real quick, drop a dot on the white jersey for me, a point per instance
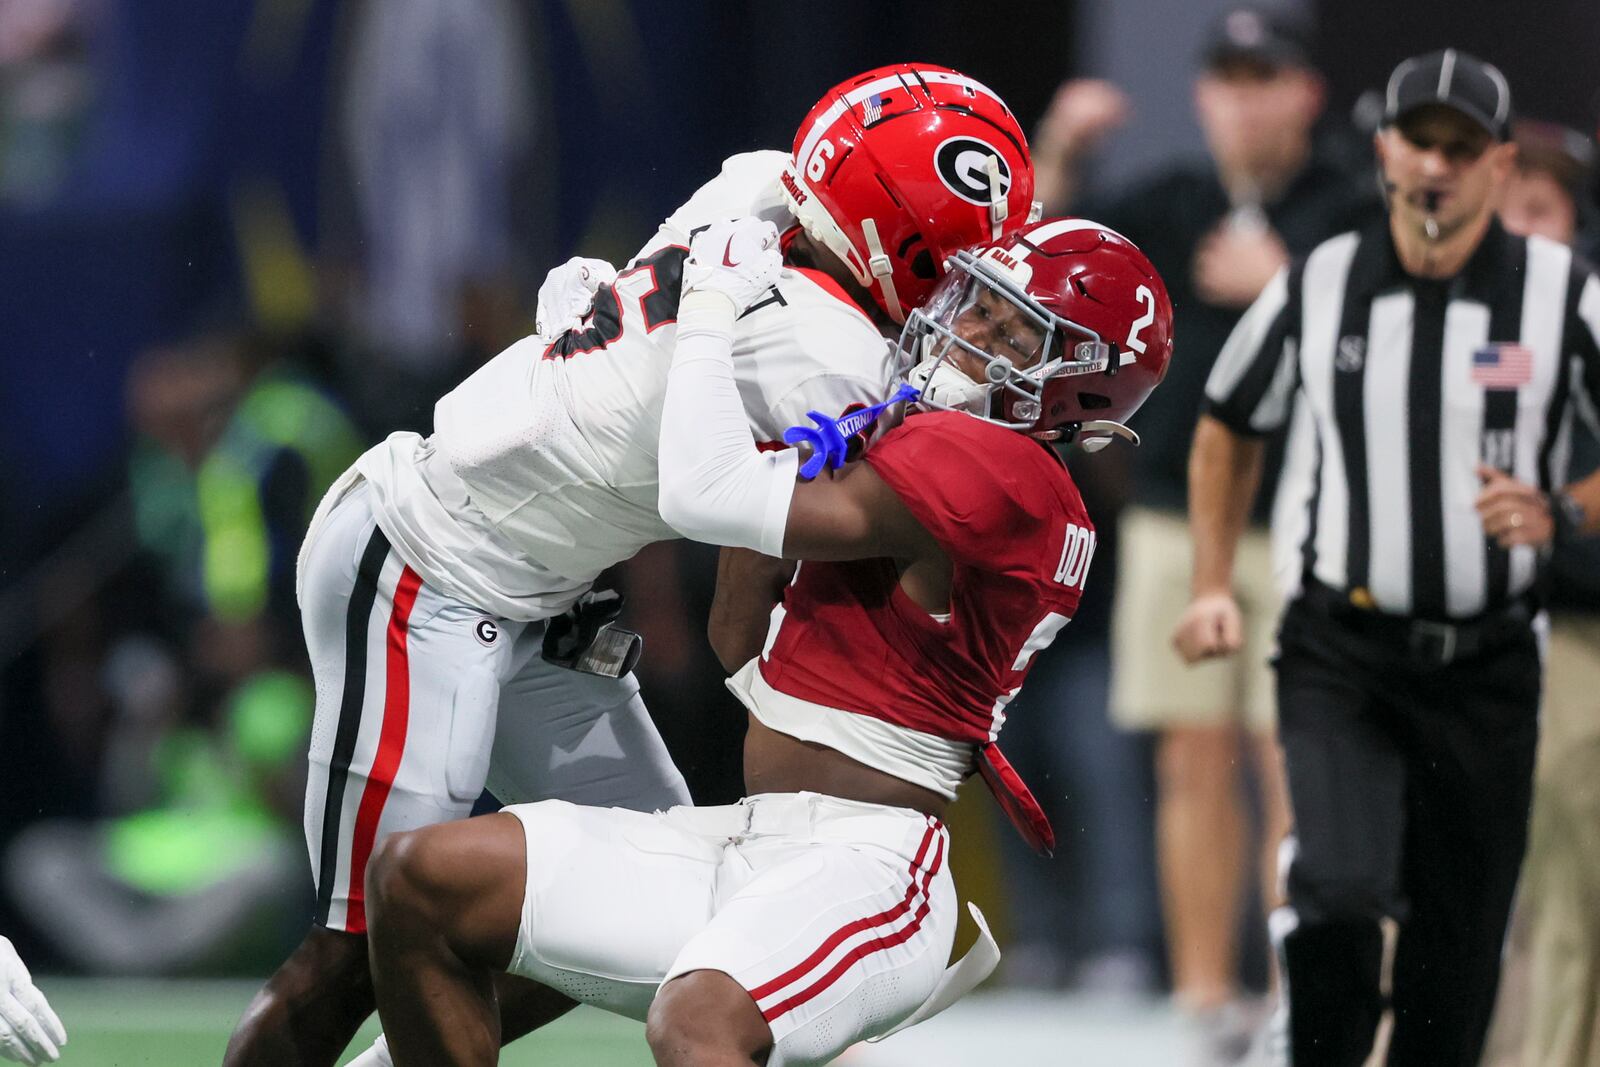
(541, 471)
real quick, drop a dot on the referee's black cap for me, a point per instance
(1274, 35)
(1451, 78)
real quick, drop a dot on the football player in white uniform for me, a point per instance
(443, 580)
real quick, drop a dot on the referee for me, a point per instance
(1429, 370)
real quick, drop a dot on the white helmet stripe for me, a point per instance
(952, 78)
(855, 96)
(1055, 229)
(826, 120)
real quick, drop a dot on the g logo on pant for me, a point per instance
(486, 632)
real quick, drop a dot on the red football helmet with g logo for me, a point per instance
(1085, 325)
(897, 168)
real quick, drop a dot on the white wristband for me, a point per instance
(707, 310)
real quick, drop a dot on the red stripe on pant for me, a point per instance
(871, 945)
(391, 745)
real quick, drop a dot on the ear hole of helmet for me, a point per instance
(838, 167)
(921, 263)
(1093, 401)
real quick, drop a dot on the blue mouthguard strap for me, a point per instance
(829, 440)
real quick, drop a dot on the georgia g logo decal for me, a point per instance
(486, 632)
(963, 166)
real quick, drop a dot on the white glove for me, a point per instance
(737, 258)
(29, 1031)
(567, 294)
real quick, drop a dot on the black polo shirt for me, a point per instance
(1167, 217)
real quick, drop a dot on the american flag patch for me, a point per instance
(872, 108)
(1502, 365)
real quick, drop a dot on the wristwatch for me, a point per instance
(1567, 515)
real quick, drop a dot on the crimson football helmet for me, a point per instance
(897, 168)
(1066, 321)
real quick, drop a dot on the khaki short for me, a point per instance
(1560, 894)
(1570, 713)
(1151, 687)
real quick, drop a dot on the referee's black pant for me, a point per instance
(1410, 779)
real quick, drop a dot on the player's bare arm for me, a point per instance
(748, 585)
(1224, 471)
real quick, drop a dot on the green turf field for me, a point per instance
(186, 1024)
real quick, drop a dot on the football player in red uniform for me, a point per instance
(818, 911)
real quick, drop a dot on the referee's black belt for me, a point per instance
(1430, 641)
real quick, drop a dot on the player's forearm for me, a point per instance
(1224, 471)
(748, 585)
(715, 486)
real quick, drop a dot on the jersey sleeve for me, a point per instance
(832, 393)
(966, 489)
(1253, 379)
(746, 186)
(812, 353)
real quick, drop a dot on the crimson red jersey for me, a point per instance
(1010, 517)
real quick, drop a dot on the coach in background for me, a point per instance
(1217, 229)
(1431, 366)
(1558, 1011)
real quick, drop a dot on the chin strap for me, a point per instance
(998, 208)
(878, 263)
(1095, 434)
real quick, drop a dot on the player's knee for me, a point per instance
(705, 1015)
(397, 880)
(458, 883)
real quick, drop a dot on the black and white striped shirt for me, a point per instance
(1395, 388)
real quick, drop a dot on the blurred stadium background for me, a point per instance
(240, 240)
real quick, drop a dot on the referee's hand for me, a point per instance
(1211, 626)
(1513, 512)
